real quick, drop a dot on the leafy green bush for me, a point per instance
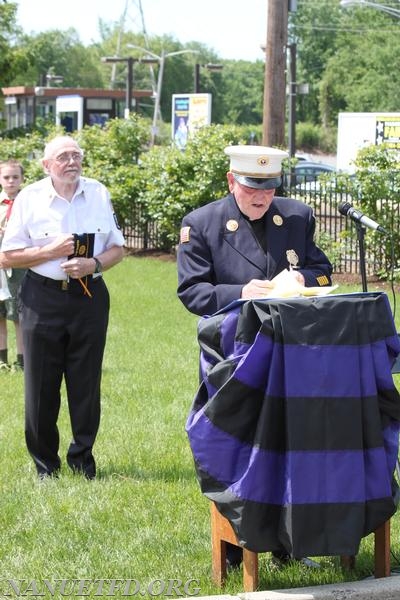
(377, 188)
(160, 183)
(328, 140)
(111, 155)
(172, 182)
(332, 248)
(307, 136)
(311, 137)
(28, 149)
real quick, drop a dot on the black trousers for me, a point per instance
(64, 334)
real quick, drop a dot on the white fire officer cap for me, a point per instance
(257, 167)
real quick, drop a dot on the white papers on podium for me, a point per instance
(287, 286)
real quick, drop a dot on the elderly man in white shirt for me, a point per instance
(64, 231)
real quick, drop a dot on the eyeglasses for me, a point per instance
(66, 157)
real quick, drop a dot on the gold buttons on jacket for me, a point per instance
(232, 225)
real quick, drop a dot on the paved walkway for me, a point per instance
(387, 588)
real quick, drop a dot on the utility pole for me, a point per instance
(275, 74)
(196, 78)
(292, 99)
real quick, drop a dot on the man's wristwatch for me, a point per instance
(98, 271)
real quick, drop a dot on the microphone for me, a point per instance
(348, 210)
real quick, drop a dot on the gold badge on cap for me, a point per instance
(292, 258)
(232, 225)
(263, 161)
(277, 219)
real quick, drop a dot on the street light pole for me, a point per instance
(157, 101)
(161, 60)
(129, 60)
(129, 78)
(52, 78)
(129, 88)
(196, 78)
(210, 67)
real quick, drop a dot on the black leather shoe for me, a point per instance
(282, 559)
(87, 472)
(308, 562)
(48, 475)
(234, 556)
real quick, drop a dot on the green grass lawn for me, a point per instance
(144, 517)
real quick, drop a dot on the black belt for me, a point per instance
(72, 285)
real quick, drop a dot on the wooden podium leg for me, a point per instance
(348, 562)
(221, 534)
(382, 550)
(250, 570)
(219, 564)
(218, 551)
(381, 553)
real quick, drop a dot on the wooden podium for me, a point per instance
(295, 428)
(222, 532)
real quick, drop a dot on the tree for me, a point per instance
(314, 28)
(242, 85)
(348, 57)
(62, 52)
(8, 30)
(181, 181)
(363, 74)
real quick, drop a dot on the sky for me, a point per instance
(231, 32)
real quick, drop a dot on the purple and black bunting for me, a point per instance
(294, 430)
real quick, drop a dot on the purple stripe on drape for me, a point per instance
(288, 478)
(254, 367)
(288, 370)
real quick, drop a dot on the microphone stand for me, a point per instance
(360, 236)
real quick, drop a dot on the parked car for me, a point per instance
(306, 171)
(328, 187)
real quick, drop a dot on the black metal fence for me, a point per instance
(141, 233)
(336, 234)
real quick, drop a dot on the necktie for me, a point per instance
(9, 209)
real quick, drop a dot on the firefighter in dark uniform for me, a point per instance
(232, 248)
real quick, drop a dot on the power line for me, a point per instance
(391, 4)
(345, 29)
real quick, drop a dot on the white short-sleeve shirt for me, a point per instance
(40, 215)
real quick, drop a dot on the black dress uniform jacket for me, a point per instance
(219, 252)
